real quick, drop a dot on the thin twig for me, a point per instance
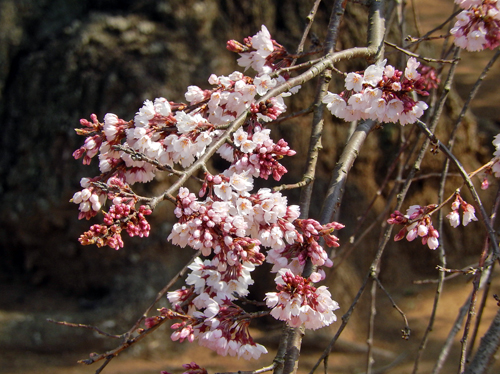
(493, 216)
(406, 330)
(81, 325)
(439, 27)
(423, 58)
(443, 355)
(258, 371)
(293, 336)
(128, 340)
(468, 182)
(345, 320)
(309, 23)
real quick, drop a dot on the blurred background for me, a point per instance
(61, 60)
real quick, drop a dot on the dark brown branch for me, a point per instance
(427, 59)
(406, 330)
(482, 213)
(487, 349)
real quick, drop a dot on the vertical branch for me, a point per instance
(490, 275)
(471, 312)
(451, 337)
(310, 21)
(317, 123)
(489, 345)
(335, 190)
(292, 337)
(345, 320)
(371, 325)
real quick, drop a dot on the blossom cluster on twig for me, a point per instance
(417, 221)
(478, 25)
(382, 93)
(235, 228)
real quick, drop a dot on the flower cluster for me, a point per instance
(495, 168)
(382, 93)
(225, 330)
(417, 223)
(120, 217)
(192, 368)
(468, 210)
(478, 25)
(165, 133)
(232, 225)
(298, 302)
(256, 153)
(259, 52)
(293, 256)
(227, 222)
(89, 200)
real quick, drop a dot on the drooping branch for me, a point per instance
(482, 213)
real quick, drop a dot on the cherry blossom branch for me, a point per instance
(468, 182)
(457, 325)
(138, 156)
(293, 337)
(235, 125)
(442, 278)
(476, 286)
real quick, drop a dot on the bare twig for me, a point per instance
(80, 325)
(443, 355)
(406, 330)
(345, 320)
(293, 336)
(309, 23)
(487, 285)
(423, 58)
(258, 371)
(439, 27)
(128, 338)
